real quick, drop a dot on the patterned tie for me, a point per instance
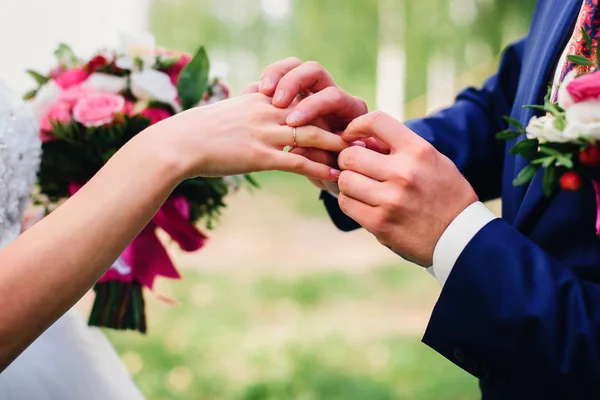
(588, 19)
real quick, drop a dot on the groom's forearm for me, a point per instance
(510, 312)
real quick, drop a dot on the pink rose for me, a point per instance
(58, 112)
(584, 88)
(73, 94)
(71, 77)
(175, 70)
(155, 114)
(98, 109)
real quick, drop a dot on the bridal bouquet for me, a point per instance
(565, 142)
(87, 110)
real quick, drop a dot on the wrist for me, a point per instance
(165, 153)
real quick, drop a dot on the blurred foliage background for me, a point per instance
(280, 305)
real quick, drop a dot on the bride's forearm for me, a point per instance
(50, 267)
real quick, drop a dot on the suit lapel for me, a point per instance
(554, 25)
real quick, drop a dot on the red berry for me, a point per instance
(570, 181)
(590, 156)
(96, 63)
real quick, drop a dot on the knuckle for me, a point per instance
(293, 60)
(409, 176)
(310, 135)
(376, 116)
(396, 201)
(314, 65)
(378, 222)
(344, 181)
(297, 163)
(393, 200)
(362, 105)
(343, 202)
(423, 151)
(347, 158)
(336, 95)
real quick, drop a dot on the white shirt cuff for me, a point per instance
(456, 237)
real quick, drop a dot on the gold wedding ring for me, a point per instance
(294, 144)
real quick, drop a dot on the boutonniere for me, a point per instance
(565, 141)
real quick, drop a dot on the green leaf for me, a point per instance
(166, 62)
(30, 95)
(565, 162)
(64, 52)
(549, 180)
(549, 151)
(586, 39)
(560, 123)
(526, 174)
(536, 107)
(193, 81)
(139, 63)
(526, 148)
(39, 78)
(514, 123)
(544, 161)
(581, 60)
(508, 135)
(252, 181)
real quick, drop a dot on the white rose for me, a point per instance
(583, 120)
(44, 99)
(544, 130)
(151, 84)
(106, 83)
(143, 48)
(564, 98)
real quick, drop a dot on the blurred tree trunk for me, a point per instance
(391, 60)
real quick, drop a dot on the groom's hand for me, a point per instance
(286, 79)
(322, 102)
(406, 198)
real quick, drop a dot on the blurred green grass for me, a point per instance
(280, 337)
(295, 190)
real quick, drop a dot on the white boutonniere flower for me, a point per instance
(545, 130)
(583, 120)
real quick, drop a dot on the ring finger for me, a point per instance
(310, 136)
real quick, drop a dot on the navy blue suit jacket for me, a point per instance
(521, 308)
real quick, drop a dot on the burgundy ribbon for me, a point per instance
(146, 258)
(597, 189)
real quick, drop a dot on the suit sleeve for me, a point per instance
(465, 132)
(514, 316)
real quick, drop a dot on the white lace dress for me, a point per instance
(70, 361)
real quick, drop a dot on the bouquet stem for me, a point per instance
(119, 305)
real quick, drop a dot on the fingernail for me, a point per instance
(359, 143)
(266, 84)
(335, 172)
(294, 117)
(279, 96)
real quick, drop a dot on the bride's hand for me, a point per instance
(241, 135)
